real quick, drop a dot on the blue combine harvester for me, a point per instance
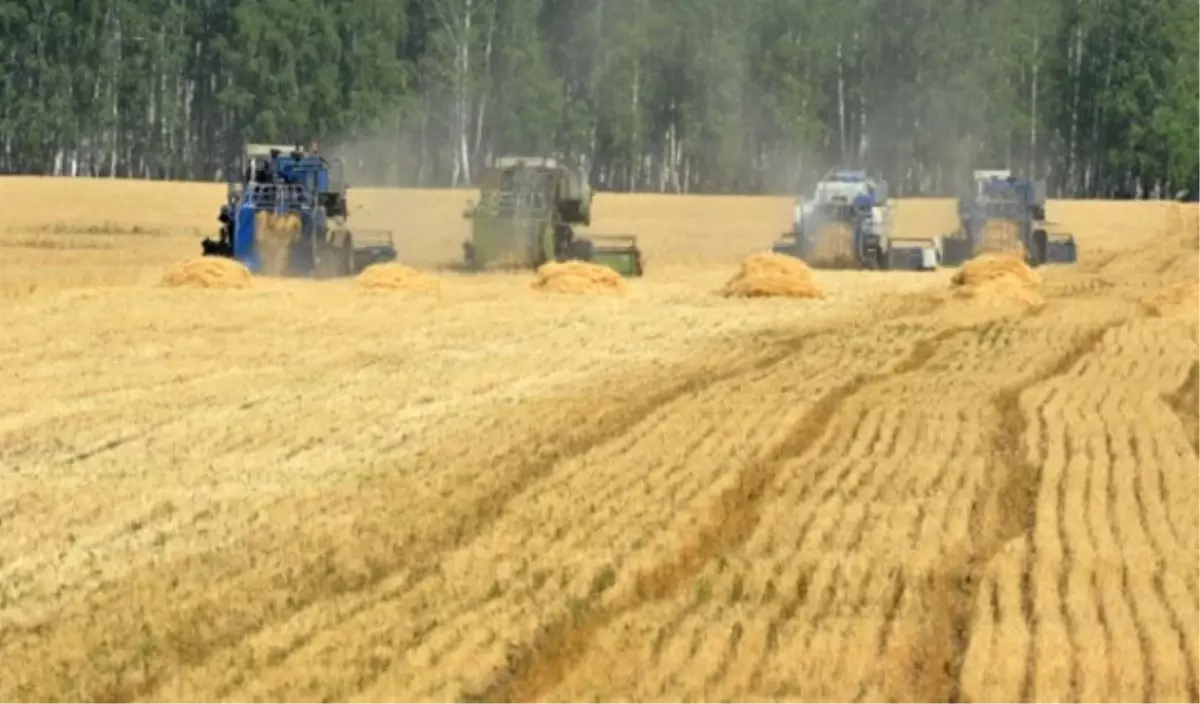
(306, 191)
(1006, 214)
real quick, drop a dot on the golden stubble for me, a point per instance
(306, 490)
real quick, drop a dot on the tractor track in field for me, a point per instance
(520, 474)
(520, 469)
(949, 591)
(1183, 402)
(537, 667)
(779, 350)
(341, 570)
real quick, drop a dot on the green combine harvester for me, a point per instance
(524, 218)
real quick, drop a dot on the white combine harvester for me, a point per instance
(848, 223)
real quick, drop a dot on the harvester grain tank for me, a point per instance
(1006, 214)
(848, 223)
(287, 216)
(524, 218)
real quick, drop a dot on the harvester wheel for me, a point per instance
(563, 236)
(334, 257)
(347, 253)
(1041, 242)
(216, 248)
(582, 249)
(328, 262)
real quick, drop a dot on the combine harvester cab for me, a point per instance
(848, 224)
(524, 218)
(1006, 214)
(287, 217)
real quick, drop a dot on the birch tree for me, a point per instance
(1097, 96)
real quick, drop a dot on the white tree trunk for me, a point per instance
(487, 64)
(634, 148)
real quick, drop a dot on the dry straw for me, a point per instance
(396, 277)
(998, 278)
(768, 274)
(834, 246)
(274, 237)
(578, 278)
(1003, 236)
(208, 272)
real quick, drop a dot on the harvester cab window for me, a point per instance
(261, 172)
(266, 171)
(272, 166)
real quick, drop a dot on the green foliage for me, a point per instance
(1100, 97)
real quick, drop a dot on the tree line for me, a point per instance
(1097, 97)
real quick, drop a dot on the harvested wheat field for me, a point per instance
(397, 277)
(304, 490)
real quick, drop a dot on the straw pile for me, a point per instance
(578, 278)
(769, 274)
(208, 272)
(396, 277)
(993, 267)
(996, 278)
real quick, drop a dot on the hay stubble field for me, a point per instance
(310, 491)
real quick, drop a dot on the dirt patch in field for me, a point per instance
(396, 277)
(208, 272)
(579, 278)
(768, 274)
